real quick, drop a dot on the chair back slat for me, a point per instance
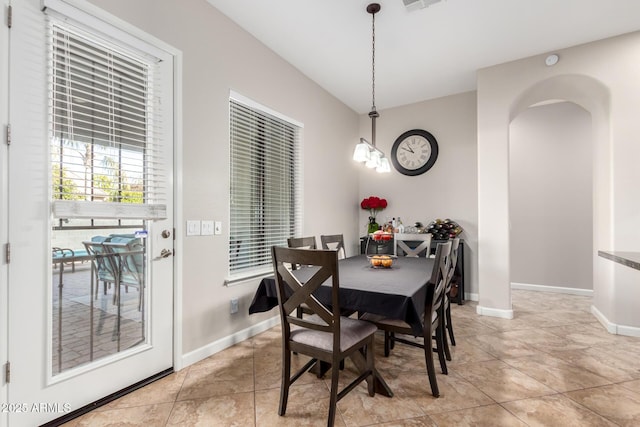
(401, 239)
(438, 281)
(455, 243)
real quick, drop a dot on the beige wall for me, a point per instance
(550, 196)
(601, 77)
(449, 188)
(219, 56)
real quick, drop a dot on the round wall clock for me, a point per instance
(414, 152)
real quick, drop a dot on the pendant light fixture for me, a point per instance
(366, 151)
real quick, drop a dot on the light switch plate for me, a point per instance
(207, 228)
(193, 228)
(218, 227)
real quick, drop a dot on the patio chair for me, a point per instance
(102, 265)
(432, 322)
(326, 335)
(129, 264)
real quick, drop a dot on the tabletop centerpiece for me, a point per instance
(374, 205)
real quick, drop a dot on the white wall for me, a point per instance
(602, 78)
(550, 196)
(219, 56)
(449, 188)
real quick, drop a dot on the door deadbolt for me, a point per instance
(166, 234)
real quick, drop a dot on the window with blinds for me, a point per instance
(105, 144)
(266, 196)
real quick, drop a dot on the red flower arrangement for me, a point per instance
(373, 204)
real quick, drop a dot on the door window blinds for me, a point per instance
(266, 196)
(105, 128)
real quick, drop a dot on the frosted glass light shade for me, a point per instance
(374, 161)
(384, 167)
(361, 152)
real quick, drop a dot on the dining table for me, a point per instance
(397, 292)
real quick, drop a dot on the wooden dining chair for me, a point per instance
(432, 330)
(302, 243)
(335, 242)
(326, 335)
(455, 243)
(405, 244)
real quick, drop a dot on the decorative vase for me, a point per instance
(373, 225)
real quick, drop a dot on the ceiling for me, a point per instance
(425, 53)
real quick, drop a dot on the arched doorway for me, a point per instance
(495, 113)
(551, 199)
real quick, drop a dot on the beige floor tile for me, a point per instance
(556, 410)
(425, 421)
(307, 405)
(466, 352)
(455, 392)
(552, 345)
(148, 415)
(544, 340)
(162, 391)
(501, 382)
(359, 409)
(492, 415)
(631, 385)
(617, 403)
(230, 410)
(588, 334)
(217, 377)
(556, 373)
(465, 326)
(501, 346)
(615, 366)
(268, 372)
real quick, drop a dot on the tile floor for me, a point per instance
(552, 365)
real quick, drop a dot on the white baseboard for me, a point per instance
(470, 297)
(494, 312)
(556, 289)
(228, 341)
(612, 328)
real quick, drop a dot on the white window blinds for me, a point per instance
(266, 196)
(105, 132)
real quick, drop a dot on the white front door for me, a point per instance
(90, 275)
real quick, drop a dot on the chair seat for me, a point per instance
(352, 331)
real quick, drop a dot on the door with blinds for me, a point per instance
(90, 209)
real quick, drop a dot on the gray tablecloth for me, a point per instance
(397, 292)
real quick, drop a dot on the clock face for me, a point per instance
(414, 152)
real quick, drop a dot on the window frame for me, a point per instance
(260, 266)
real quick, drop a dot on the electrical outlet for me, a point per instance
(234, 305)
(217, 228)
(193, 228)
(207, 228)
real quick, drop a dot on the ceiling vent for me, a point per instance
(412, 5)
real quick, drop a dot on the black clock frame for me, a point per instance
(432, 159)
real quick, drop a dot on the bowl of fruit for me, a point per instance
(380, 261)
